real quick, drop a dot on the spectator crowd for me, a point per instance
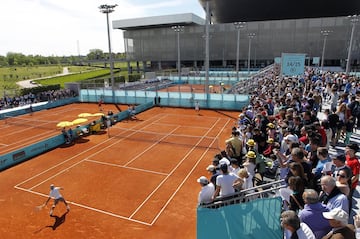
(8, 102)
(293, 130)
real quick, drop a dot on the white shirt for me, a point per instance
(304, 232)
(225, 181)
(206, 193)
(54, 193)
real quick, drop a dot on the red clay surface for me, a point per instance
(118, 187)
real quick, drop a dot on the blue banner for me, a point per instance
(292, 64)
(256, 219)
(316, 60)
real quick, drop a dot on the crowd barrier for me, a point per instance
(167, 99)
(20, 155)
(259, 218)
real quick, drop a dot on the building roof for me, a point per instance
(184, 19)
(227, 11)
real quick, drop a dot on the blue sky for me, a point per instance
(65, 27)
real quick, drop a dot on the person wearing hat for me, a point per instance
(213, 172)
(353, 162)
(224, 182)
(271, 130)
(269, 150)
(338, 220)
(56, 195)
(250, 164)
(206, 192)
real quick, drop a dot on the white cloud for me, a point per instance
(52, 27)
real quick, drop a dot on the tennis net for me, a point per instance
(42, 124)
(179, 140)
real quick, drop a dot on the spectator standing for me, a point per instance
(353, 162)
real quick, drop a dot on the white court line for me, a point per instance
(109, 213)
(184, 180)
(97, 152)
(65, 161)
(172, 171)
(120, 166)
(87, 207)
(150, 147)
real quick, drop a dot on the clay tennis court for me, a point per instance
(138, 183)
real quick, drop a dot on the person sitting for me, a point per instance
(312, 213)
(338, 220)
(292, 225)
(331, 195)
(207, 191)
(224, 182)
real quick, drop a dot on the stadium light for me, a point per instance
(178, 29)
(250, 36)
(109, 9)
(238, 26)
(325, 33)
(353, 20)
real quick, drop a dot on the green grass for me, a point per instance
(73, 77)
(10, 75)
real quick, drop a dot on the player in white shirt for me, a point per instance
(56, 195)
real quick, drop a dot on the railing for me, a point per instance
(261, 191)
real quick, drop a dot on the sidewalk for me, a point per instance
(31, 84)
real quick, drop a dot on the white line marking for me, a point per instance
(120, 166)
(184, 180)
(172, 171)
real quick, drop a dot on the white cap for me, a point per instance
(291, 138)
(203, 180)
(337, 214)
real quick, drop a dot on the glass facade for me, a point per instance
(271, 38)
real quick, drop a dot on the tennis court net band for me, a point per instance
(30, 123)
(173, 139)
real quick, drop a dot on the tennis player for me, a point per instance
(56, 195)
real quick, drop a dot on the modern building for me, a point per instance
(269, 28)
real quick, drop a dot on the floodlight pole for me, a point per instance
(238, 26)
(109, 9)
(178, 29)
(325, 33)
(207, 57)
(251, 36)
(353, 20)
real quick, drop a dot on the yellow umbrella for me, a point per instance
(98, 114)
(84, 115)
(79, 121)
(64, 124)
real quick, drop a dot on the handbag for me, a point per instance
(297, 202)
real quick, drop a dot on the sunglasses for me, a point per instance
(341, 176)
